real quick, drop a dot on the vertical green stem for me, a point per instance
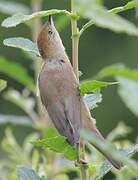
(75, 64)
(75, 42)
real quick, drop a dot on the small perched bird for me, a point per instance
(59, 90)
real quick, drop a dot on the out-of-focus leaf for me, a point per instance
(120, 131)
(101, 17)
(129, 5)
(57, 143)
(18, 120)
(21, 18)
(3, 84)
(92, 100)
(93, 86)
(17, 72)
(109, 149)
(128, 91)
(105, 166)
(22, 43)
(112, 71)
(27, 173)
(11, 7)
(26, 104)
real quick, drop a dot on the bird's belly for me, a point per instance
(55, 83)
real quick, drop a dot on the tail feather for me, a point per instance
(92, 127)
(115, 163)
(90, 124)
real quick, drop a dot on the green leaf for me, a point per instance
(26, 173)
(105, 166)
(25, 103)
(12, 7)
(103, 18)
(22, 43)
(92, 100)
(94, 86)
(21, 18)
(3, 84)
(128, 91)
(70, 153)
(111, 71)
(16, 120)
(129, 5)
(57, 143)
(17, 72)
(51, 132)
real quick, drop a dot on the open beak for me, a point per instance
(50, 19)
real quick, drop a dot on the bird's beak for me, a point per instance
(50, 19)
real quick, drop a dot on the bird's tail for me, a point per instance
(89, 123)
(92, 127)
(118, 165)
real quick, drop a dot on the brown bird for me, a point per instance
(59, 90)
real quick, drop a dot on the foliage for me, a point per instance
(22, 43)
(12, 7)
(3, 84)
(103, 18)
(39, 155)
(94, 86)
(17, 72)
(57, 143)
(27, 173)
(131, 100)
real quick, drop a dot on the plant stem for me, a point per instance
(75, 64)
(36, 27)
(75, 41)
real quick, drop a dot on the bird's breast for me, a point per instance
(56, 80)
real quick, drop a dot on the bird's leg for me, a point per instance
(80, 157)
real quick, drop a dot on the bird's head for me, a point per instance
(49, 42)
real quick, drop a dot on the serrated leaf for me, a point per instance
(17, 72)
(92, 99)
(21, 18)
(112, 71)
(11, 7)
(26, 173)
(57, 143)
(22, 43)
(3, 84)
(128, 92)
(94, 86)
(101, 17)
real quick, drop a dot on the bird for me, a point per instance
(59, 91)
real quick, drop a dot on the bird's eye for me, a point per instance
(50, 32)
